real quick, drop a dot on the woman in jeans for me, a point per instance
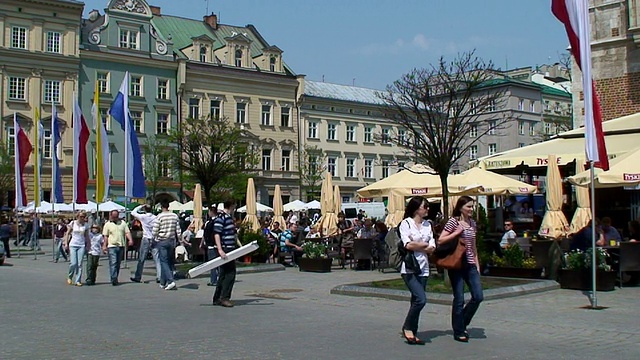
(417, 236)
(460, 225)
(60, 229)
(76, 244)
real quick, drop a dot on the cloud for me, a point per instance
(420, 43)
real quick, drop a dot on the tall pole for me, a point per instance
(594, 266)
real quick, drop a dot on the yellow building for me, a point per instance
(39, 63)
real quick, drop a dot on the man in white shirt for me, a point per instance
(508, 235)
(147, 219)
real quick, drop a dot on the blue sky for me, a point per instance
(374, 42)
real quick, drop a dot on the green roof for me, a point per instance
(225, 31)
(548, 90)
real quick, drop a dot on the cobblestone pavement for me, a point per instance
(289, 315)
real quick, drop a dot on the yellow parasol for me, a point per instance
(395, 209)
(337, 200)
(554, 224)
(582, 216)
(496, 184)
(197, 208)
(277, 207)
(328, 223)
(251, 219)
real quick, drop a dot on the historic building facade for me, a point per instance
(39, 63)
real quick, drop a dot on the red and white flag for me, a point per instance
(574, 14)
(80, 164)
(22, 150)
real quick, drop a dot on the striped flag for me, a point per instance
(37, 159)
(22, 150)
(134, 182)
(80, 165)
(574, 14)
(56, 180)
(102, 150)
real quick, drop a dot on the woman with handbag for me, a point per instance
(462, 228)
(76, 241)
(417, 239)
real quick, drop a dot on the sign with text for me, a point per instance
(422, 191)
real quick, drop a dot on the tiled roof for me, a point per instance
(342, 92)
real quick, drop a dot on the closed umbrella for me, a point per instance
(328, 223)
(554, 224)
(337, 200)
(582, 216)
(395, 209)
(197, 208)
(277, 207)
(251, 219)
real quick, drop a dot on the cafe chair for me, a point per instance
(628, 259)
(362, 250)
(540, 252)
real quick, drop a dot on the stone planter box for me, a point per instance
(315, 265)
(581, 280)
(506, 271)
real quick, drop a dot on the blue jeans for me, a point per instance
(35, 241)
(145, 246)
(461, 314)
(417, 286)
(165, 251)
(213, 253)
(60, 249)
(76, 253)
(156, 259)
(115, 257)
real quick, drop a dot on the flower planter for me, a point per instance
(315, 265)
(581, 280)
(506, 271)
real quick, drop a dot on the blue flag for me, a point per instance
(56, 196)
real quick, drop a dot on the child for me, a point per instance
(94, 254)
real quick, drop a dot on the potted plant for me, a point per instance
(314, 258)
(513, 263)
(248, 236)
(576, 272)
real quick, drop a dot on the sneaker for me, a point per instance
(171, 285)
(226, 303)
(69, 282)
(161, 286)
(78, 284)
(157, 281)
(135, 280)
(115, 283)
(55, 261)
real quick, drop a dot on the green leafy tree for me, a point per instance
(7, 177)
(312, 159)
(158, 170)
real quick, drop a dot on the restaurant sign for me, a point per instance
(421, 191)
(631, 177)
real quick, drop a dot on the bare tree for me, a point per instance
(158, 169)
(7, 178)
(439, 106)
(312, 159)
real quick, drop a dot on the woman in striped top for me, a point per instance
(462, 225)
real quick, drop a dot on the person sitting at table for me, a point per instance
(313, 233)
(610, 232)
(367, 231)
(508, 235)
(581, 240)
(525, 210)
(381, 234)
(287, 244)
(634, 230)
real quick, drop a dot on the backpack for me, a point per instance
(396, 248)
(207, 235)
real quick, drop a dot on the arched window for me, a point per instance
(203, 54)
(272, 64)
(239, 58)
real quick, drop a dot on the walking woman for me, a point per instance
(417, 236)
(76, 241)
(460, 225)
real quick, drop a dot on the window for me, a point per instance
(51, 92)
(331, 131)
(266, 159)
(402, 137)
(129, 39)
(272, 64)
(286, 160)
(102, 78)
(456, 153)
(104, 116)
(215, 109)
(521, 127)
(473, 131)
(194, 108)
(351, 133)
(162, 125)
(351, 165)
(53, 42)
(547, 107)
(136, 117)
(368, 168)
(368, 134)
(532, 129)
(11, 140)
(331, 166)
(313, 130)
(385, 168)
(163, 165)
(266, 115)
(17, 88)
(520, 145)
(493, 148)
(547, 128)
(285, 116)
(163, 89)
(238, 58)
(491, 106)
(47, 143)
(241, 113)
(473, 152)
(203, 54)
(521, 104)
(385, 136)
(136, 86)
(556, 107)
(492, 127)
(532, 106)
(19, 37)
(455, 171)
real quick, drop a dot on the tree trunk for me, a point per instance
(445, 195)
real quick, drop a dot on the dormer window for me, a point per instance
(203, 54)
(238, 58)
(272, 64)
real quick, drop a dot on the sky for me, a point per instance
(371, 43)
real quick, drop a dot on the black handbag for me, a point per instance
(446, 249)
(411, 264)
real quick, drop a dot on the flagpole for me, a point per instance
(594, 266)
(53, 182)
(36, 183)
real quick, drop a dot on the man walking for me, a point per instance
(115, 232)
(147, 219)
(166, 232)
(224, 232)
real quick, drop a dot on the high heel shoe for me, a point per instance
(412, 340)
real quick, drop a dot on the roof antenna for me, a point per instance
(322, 77)
(353, 82)
(207, 12)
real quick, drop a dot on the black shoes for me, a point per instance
(135, 280)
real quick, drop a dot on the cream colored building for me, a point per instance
(347, 124)
(39, 64)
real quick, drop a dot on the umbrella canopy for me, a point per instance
(44, 207)
(623, 171)
(337, 200)
(175, 205)
(278, 209)
(62, 207)
(419, 180)
(251, 219)
(295, 205)
(328, 223)
(395, 209)
(110, 206)
(90, 206)
(188, 206)
(582, 216)
(259, 208)
(314, 205)
(197, 208)
(496, 184)
(554, 223)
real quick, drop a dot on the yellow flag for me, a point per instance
(101, 181)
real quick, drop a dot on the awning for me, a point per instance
(623, 171)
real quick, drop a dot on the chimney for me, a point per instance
(211, 20)
(155, 10)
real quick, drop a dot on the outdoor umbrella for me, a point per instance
(277, 207)
(109, 206)
(175, 205)
(314, 205)
(188, 206)
(395, 209)
(582, 216)
(259, 208)
(337, 200)
(623, 171)
(295, 205)
(197, 208)
(89, 206)
(496, 184)
(251, 219)
(554, 223)
(328, 223)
